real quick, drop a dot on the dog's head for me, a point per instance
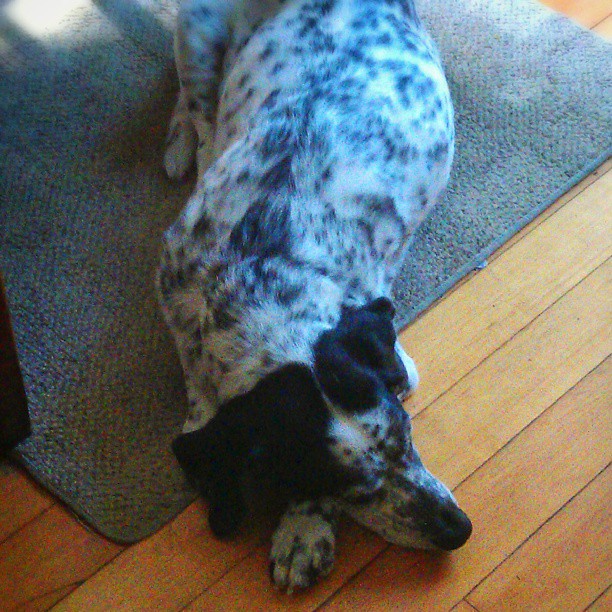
(332, 428)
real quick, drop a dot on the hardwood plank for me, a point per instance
(551, 210)
(584, 184)
(514, 385)
(574, 547)
(508, 498)
(48, 555)
(586, 12)
(248, 585)
(22, 500)
(604, 28)
(179, 562)
(603, 603)
(464, 606)
(46, 602)
(558, 359)
(510, 292)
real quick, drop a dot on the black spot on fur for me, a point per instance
(326, 6)
(242, 81)
(384, 39)
(279, 176)
(407, 153)
(222, 316)
(201, 13)
(287, 295)
(278, 140)
(202, 226)
(381, 205)
(268, 50)
(263, 231)
(438, 151)
(323, 43)
(422, 196)
(271, 99)
(409, 10)
(367, 232)
(425, 87)
(278, 66)
(244, 176)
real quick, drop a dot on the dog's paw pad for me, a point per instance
(302, 551)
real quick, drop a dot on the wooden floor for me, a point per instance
(514, 413)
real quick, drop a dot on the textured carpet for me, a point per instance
(85, 95)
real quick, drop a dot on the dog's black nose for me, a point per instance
(454, 529)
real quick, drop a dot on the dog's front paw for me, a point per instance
(303, 545)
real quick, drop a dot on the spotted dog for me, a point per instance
(322, 132)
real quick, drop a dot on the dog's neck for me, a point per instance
(255, 298)
(258, 327)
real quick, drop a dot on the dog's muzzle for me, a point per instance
(412, 508)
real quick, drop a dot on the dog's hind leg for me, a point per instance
(201, 38)
(181, 141)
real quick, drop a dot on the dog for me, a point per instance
(322, 132)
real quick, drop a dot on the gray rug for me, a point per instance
(85, 98)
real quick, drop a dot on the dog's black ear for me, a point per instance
(343, 379)
(382, 306)
(213, 459)
(190, 449)
(353, 360)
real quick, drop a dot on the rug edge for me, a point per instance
(89, 522)
(487, 251)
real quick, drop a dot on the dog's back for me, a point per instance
(330, 135)
(333, 138)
